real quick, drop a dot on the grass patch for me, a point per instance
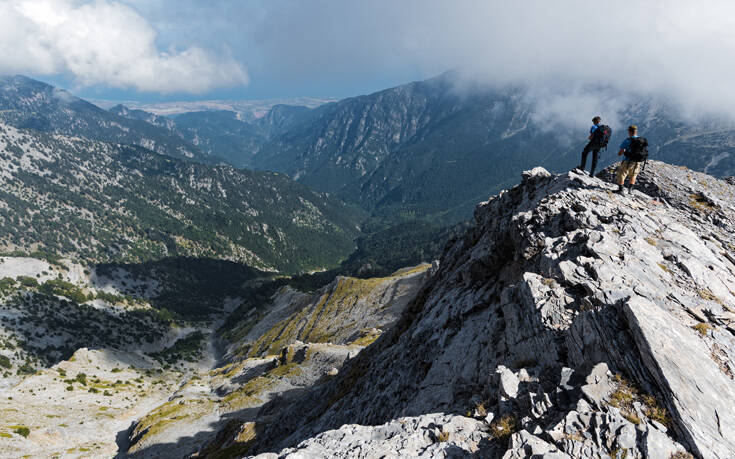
(504, 427)
(663, 266)
(22, 431)
(702, 328)
(706, 294)
(244, 436)
(623, 399)
(627, 393)
(654, 410)
(367, 339)
(173, 413)
(651, 241)
(701, 202)
(443, 437)
(619, 453)
(480, 409)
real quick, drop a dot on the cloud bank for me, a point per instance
(678, 50)
(104, 43)
(675, 48)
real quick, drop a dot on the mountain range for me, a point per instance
(156, 301)
(103, 202)
(29, 104)
(399, 153)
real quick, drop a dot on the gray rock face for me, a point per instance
(700, 392)
(598, 387)
(614, 313)
(508, 382)
(431, 435)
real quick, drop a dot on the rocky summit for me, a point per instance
(571, 321)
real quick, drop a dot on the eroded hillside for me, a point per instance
(94, 364)
(277, 351)
(85, 351)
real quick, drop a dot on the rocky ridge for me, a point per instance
(572, 321)
(29, 104)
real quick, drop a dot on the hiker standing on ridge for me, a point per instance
(598, 138)
(635, 149)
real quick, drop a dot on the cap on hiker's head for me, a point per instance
(596, 119)
(632, 128)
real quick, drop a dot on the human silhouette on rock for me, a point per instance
(598, 139)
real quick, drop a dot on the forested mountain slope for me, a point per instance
(101, 202)
(434, 148)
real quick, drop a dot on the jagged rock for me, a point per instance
(598, 387)
(508, 382)
(680, 360)
(657, 444)
(536, 172)
(566, 376)
(431, 435)
(560, 272)
(525, 445)
(626, 437)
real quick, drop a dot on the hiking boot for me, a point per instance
(620, 190)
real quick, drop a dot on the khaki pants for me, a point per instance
(628, 169)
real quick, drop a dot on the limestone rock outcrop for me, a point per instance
(571, 321)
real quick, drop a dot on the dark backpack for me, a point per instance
(601, 136)
(638, 150)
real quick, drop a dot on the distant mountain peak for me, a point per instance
(31, 104)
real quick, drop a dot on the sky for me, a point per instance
(157, 50)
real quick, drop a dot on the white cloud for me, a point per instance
(106, 43)
(680, 49)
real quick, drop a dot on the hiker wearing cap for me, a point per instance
(598, 138)
(635, 149)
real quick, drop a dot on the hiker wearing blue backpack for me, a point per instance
(598, 138)
(635, 149)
